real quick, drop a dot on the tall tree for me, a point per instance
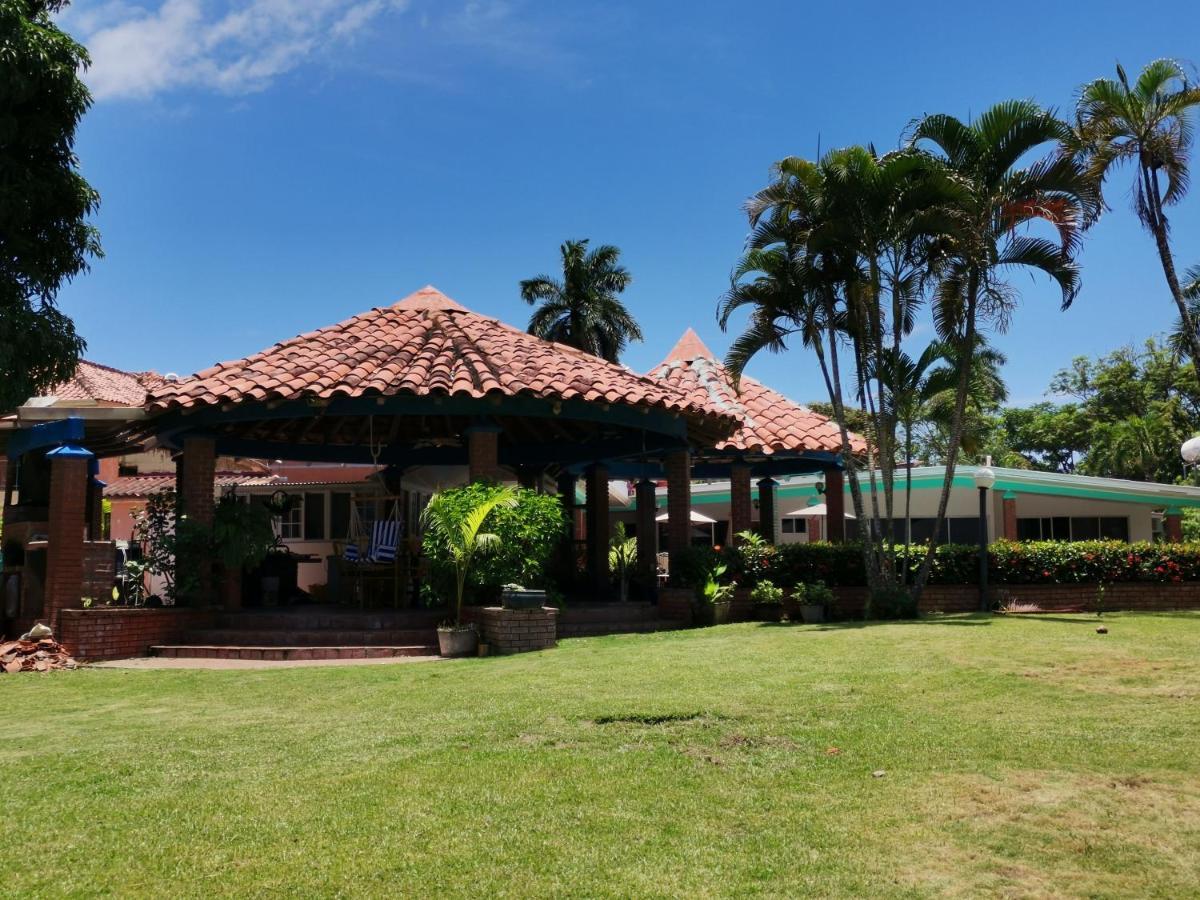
(45, 237)
(1184, 332)
(837, 253)
(1001, 198)
(582, 309)
(1147, 124)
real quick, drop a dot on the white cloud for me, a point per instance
(138, 52)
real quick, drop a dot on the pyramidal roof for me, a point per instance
(689, 347)
(426, 345)
(770, 422)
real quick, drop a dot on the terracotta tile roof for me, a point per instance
(771, 423)
(426, 345)
(95, 383)
(143, 485)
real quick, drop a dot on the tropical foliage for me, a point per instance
(1126, 415)
(45, 237)
(525, 528)
(845, 251)
(1147, 125)
(582, 309)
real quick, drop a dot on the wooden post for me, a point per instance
(647, 531)
(835, 506)
(768, 514)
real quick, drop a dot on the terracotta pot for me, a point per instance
(458, 641)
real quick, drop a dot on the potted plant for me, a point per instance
(768, 602)
(515, 596)
(813, 601)
(462, 538)
(622, 559)
(714, 600)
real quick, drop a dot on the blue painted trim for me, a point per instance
(70, 451)
(47, 434)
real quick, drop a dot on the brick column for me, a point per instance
(69, 478)
(679, 504)
(483, 453)
(597, 531)
(768, 516)
(741, 504)
(647, 529)
(1173, 525)
(195, 472)
(835, 506)
(1008, 504)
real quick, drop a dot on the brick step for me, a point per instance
(201, 651)
(597, 629)
(317, 637)
(352, 620)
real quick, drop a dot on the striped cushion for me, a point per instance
(385, 538)
(350, 554)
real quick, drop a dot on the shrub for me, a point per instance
(765, 592)
(832, 564)
(894, 602)
(530, 531)
(690, 568)
(753, 559)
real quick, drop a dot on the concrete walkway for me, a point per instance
(158, 662)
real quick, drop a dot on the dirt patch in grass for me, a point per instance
(1127, 676)
(651, 719)
(1032, 833)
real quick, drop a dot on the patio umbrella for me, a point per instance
(697, 518)
(818, 510)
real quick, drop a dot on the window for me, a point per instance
(1085, 528)
(798, 525)
(957, 530)
(1114, 528)
(314, 517)
(126, 470)
(291, 523)
(339, 516)
(1074, 528)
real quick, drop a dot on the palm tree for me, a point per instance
(582, 309)
(1147, 123)
(911, 387)
(1184, 333)
(999, 199)
(462, 534)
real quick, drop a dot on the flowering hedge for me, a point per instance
(1036, 562)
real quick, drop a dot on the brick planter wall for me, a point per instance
(515, 630)
(953, 598)
(676, 603)
(119, 632)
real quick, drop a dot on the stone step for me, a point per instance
(317, 637)
(275, 653)
(597, 629)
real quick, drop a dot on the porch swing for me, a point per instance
(374, 552)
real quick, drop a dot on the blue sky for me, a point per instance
(271, 166)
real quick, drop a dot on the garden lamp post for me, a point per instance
(984, 479)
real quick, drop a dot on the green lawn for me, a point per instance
(1022, 756)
